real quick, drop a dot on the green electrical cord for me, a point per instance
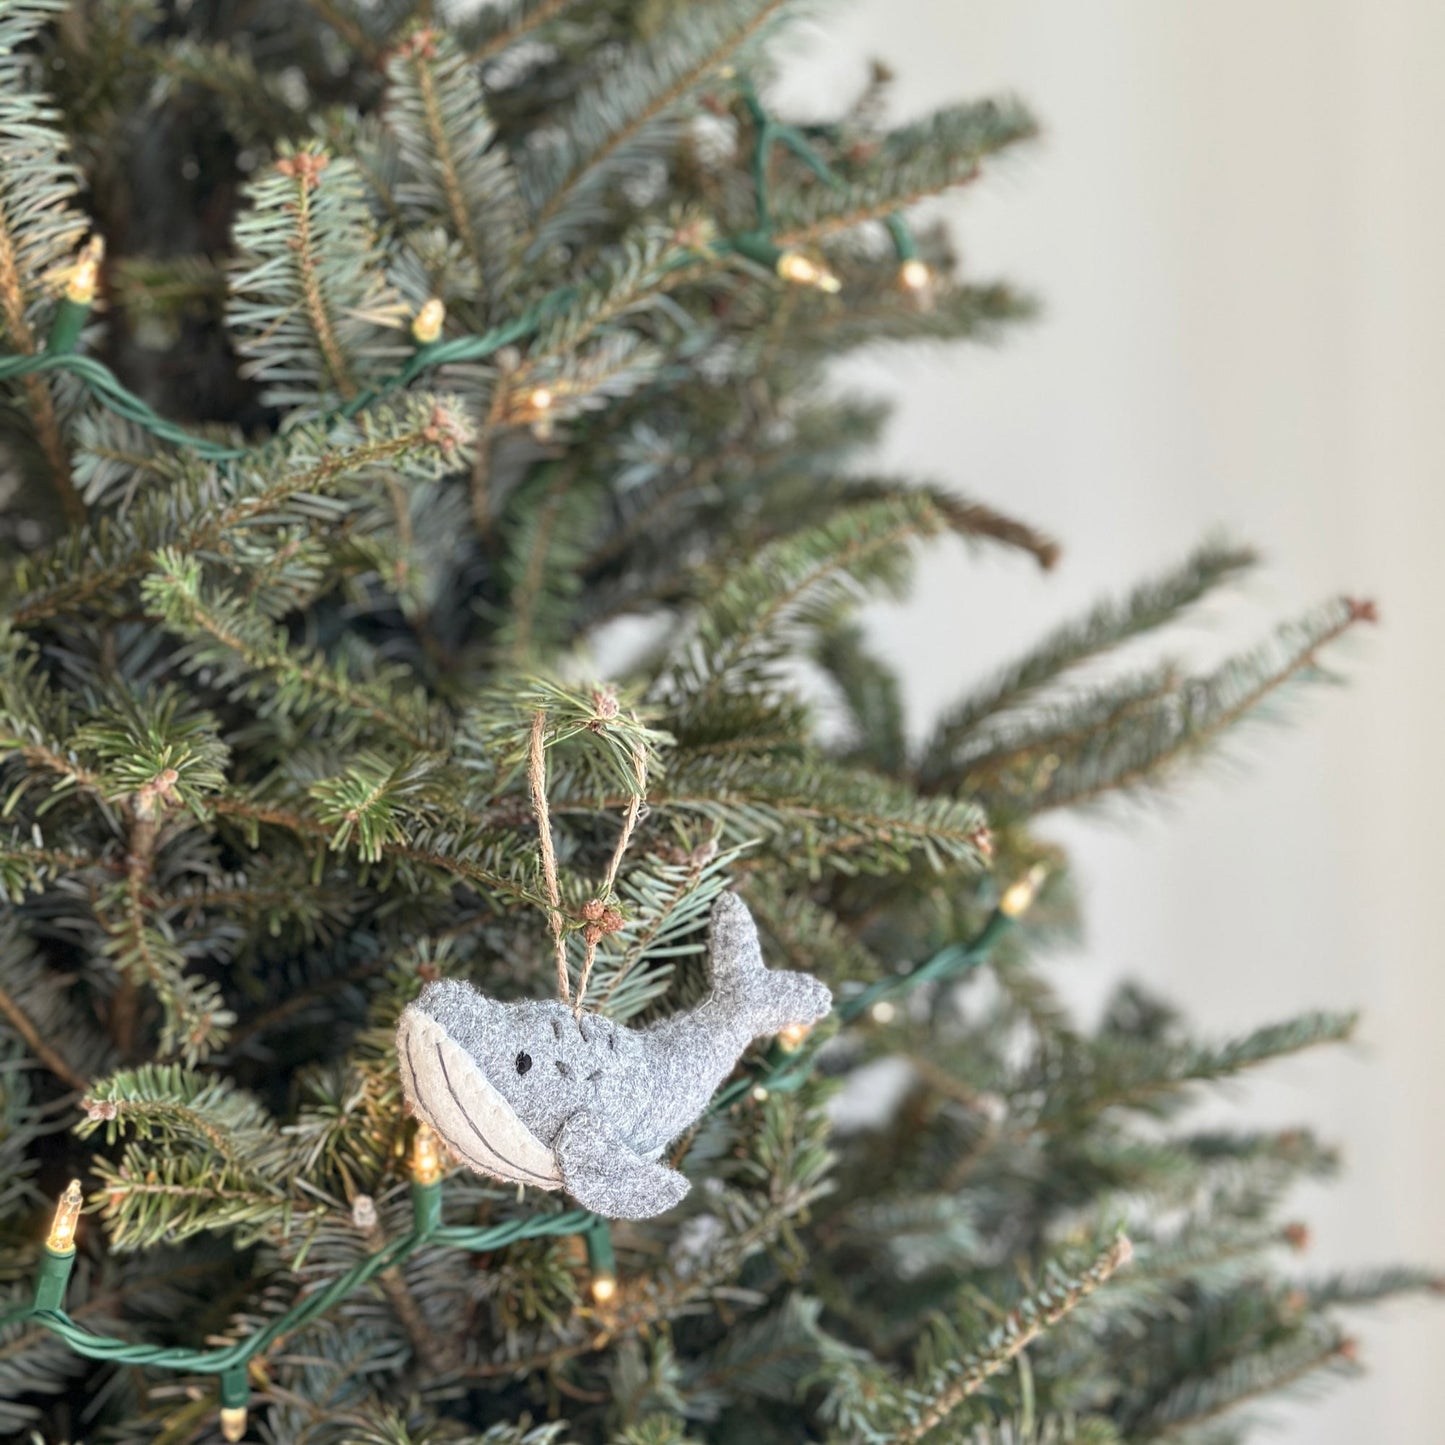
(784, 1071)
(59, 352)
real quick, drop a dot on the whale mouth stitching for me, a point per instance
(416, 1089)
(485, 1165)
(472, 1124)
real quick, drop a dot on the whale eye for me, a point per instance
(524, 1062)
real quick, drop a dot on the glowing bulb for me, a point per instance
(791, 1038)
(233, 1422)
(1018, 896)
(427, 324)
(803, 271)
(604, 1288)
(914, 275)
(759, 1094)
(61, 1239)
(541, 399)
(883, 1012)
(85, 274)
(426, 1156)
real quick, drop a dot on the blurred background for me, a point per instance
(1234, 220)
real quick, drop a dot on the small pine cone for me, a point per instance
(593, 910)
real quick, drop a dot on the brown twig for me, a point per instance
(437, 1355)
(25, 1027)
(495, 44)
(482, 462)
(37, 389)
(537, 782)
(139, 857)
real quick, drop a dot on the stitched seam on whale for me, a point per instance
(472, 1124)
(477, 1164)
(484, 1166)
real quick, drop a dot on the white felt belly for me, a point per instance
(446, 1088)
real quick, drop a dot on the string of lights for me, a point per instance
(59, 352)
(788, 1063)
(786, 1066)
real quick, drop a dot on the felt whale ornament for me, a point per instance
(534, 1093)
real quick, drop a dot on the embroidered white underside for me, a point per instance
(446, 1088)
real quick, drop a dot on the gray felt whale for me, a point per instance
(533, 1094)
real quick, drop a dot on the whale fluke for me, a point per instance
(765, 1000)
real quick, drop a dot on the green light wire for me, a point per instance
(784, 1072)
(107, 388)
(231, 1357)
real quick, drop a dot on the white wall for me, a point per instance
(1235, 219)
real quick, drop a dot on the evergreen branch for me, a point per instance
(1122, 1073)
(629, 278)
(1110, 624)
(143, 951)
(865, 543)
(1370, 1286)
(255, 659)
(446, 163)
(307, 266)
(499, 27)
(973, 519)
(1270, 1372)
(145, 1202)
(374, 801)
(811, 814)
(912, 164)
(25, 866)
(967, 519)
(254, 813)
(84, 572)
(877, 313)
(310, 306)
(615, 114)
(667, 901)
(539, 562)
(167, 1102)
(39, 225)
(50, 759)
(454, 166)
(931, 1406)
(1137, 736)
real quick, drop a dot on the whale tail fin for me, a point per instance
(764, 999)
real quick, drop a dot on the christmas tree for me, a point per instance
(433, 550)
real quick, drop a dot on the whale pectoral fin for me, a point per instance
(604, 1174)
